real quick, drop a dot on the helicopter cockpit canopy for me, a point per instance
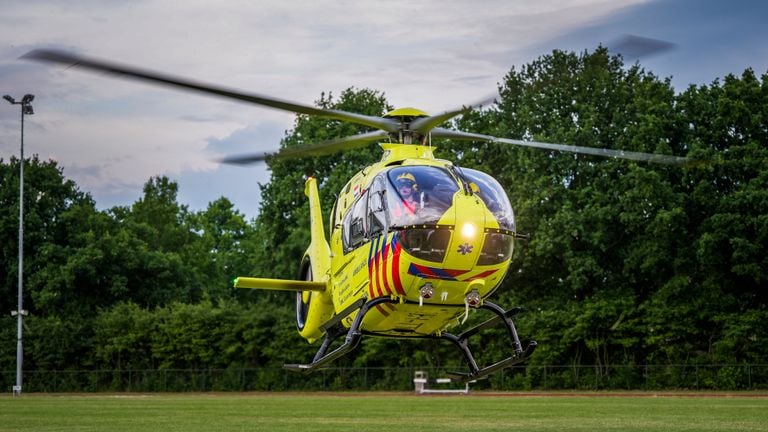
(415, 199)
(418, 195)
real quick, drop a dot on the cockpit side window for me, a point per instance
(355, 226)
(377, 209)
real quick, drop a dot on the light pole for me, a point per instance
(26, 109)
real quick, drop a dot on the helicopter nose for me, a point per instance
(467, 239)
(468, 230)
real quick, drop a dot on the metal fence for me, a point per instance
(531, 377)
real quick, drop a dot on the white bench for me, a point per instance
(421, 381)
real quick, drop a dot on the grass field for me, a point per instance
(383, 412)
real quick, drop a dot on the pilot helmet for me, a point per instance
(406, 179)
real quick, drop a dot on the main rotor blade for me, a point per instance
(633, 46)
(246, 159)
(321, 149)
(332, 146)
(620, 154)
(92, 64)
(425, 124)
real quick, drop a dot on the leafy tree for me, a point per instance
(53, 207)
(195, 336)
(604, 232)
(720, 283)
(103, 258)
(57, 342)
(223, 248)
(123, 337)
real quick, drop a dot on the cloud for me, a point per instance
(712, 38)
(256, 138)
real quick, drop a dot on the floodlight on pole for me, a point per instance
(19, 313)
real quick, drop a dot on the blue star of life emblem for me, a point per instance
(465, 248)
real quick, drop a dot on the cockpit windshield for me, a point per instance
(493, 195)
(418, 195)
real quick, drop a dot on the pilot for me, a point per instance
(475, 188)
(406, 187)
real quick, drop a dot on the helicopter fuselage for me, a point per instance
(448, 249)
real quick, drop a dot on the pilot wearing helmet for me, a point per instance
(407, 188)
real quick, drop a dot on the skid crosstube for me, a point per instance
(334, 330)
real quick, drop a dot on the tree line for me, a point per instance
(627, 263)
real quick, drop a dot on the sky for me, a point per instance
(111, 136)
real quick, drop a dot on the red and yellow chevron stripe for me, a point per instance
(384, 267)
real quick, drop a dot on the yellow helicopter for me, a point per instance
(415, 243)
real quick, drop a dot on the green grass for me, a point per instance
(381, 412)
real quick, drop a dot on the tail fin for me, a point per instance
(319, 251)
(314, 305)
(317, 305)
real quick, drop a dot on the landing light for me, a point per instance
(468, 230)
(473, 298)
(427, 291)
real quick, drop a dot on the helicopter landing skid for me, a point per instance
(335, 330)
(461, 342)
